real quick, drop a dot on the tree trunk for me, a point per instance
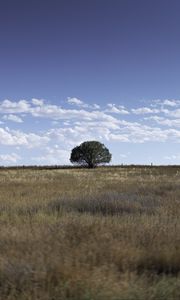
(91, 165)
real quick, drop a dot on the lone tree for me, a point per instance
(90, 154)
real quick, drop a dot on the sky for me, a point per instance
(79, 70)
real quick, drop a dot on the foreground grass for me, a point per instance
(108, 233)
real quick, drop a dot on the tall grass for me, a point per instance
(108, 233)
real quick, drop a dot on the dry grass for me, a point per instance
(108, 233)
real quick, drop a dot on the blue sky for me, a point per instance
(106, 70)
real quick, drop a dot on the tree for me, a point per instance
(90, 154)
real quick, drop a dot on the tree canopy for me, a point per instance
(90, 154)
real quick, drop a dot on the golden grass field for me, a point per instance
(81, 234)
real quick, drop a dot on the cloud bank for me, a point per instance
(59, 128)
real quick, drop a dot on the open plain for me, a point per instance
(110, 233)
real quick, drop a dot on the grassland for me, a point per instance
(103, 234)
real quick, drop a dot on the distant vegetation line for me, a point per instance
(51, 167)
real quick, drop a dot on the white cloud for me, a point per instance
(112, 108)
(166, 102)
(53, 155)
(38, 108)
(80, 103)
(96, 106)
(38, 102)
(58, 113)
(144, 110)
(34, 140)
(75, 101)
(15, 137)
(77, 125)
(172, 157)
(170, 102)
(172, 113)
(123, 131)
(8, 106)
(124, 155)
(9, 158)
(54, 112)
(12, 118)
(119, 137)
(165, 121)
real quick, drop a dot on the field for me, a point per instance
(102, 234)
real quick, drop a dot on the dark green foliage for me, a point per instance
(90, 154)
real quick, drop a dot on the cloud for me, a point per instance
(166, 102)
(118, 137)
(138, 134)
(39, 109)
(12, 118)
(144, 110)
(55, 112)
(164, 121)
(124, 155)
(80, 103)
(96, 106)
(170, 102)
(8, 106)
(18, 138)
(9, 158)
(58, 113)
(75, 101)
(82, 124)
(123, 131)
(53, 155)
(112, 108)
(38, 102)
(172, 113)
(172, 157)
